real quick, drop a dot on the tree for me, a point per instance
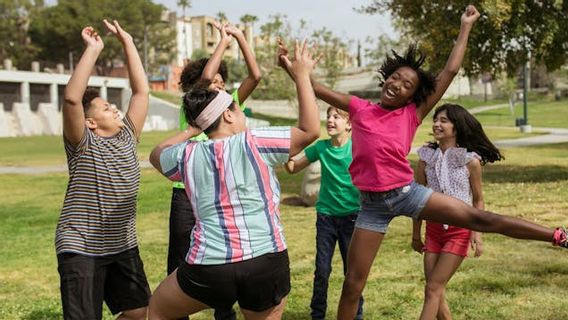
(56, 30)
(501, 39)
(249, 19)
(184, 4)
(334, 53)
(14, 21)
(222, 17)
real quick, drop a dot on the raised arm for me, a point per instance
(324, 93)
(214, 62)
(308, 128)
(73, 113)
(445, 77)
(138, 106)
(251, 81)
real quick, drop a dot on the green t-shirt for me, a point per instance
(337, 196)
(202, 136)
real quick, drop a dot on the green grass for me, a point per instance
(513, 280)
(471, 102)
(540, 114)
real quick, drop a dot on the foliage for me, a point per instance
(56, 30)
(333, 51)
(14, 20)
(500, 40)
(276, 83)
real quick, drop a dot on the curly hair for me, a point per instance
(469, 133)
(412, 58)
(89, 95)
(191, 73)
(195, 101)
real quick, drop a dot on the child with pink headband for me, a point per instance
(238, 250)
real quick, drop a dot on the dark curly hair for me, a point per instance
(192, 72)
(469, 133)
(195, 101)
(413, 58)
(89, 95)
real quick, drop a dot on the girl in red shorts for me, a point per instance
(452, 165)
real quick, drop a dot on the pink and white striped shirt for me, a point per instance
(234, 192)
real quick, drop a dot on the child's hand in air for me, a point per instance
(117, 30)
(91, 38)
(303, 62)
(225, 37)
(470, 15)
(282, 52)
(232, 30)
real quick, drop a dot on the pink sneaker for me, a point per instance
(560, 238)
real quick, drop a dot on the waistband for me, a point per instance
(369, 195)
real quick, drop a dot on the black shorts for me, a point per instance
(256, 284)
(86, 281)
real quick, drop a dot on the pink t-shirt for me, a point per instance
(381, 141)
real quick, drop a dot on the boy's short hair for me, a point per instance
(195, 101)
(192, 72)
(344, 114)
(89, 95)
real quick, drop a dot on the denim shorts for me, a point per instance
(379, 208)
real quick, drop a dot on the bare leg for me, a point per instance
(170, 302)
(274, 313)
(361, 254)
(438, 270)
(445, 209)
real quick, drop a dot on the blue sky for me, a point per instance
(336, 15)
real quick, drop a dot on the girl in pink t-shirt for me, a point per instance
(382, 136)
(451, 165)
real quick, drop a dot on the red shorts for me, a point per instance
(454, 240)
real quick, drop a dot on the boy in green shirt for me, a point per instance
(337, 206)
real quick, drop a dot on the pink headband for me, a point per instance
(213, 110)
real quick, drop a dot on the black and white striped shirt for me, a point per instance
(99, 211)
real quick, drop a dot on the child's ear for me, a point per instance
(228, 116)
(90, 123)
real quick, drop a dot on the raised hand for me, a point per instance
(233, 30)
(281, 52)
(91, 38)
(117, 30)
(470, 15)
(303, 62)
(225, 37)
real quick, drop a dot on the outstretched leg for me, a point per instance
(438, 268)
(446, 209)
(361, 254)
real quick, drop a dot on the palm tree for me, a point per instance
(222, 17)
(184, 4)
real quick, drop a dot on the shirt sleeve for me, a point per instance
(182, 122)
(171, 159)
(273, 144)
(312, 152)
(355, 104)
(235, 96)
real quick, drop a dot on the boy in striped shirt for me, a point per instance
(96, 245)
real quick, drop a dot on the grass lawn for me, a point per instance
(512, 280)
(540, 114)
